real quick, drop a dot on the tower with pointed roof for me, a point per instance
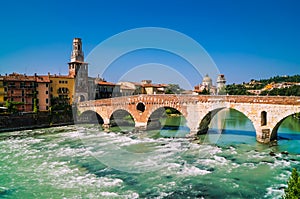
(78, 69)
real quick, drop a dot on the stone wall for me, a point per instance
(9, 122)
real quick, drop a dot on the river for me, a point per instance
(82, 161)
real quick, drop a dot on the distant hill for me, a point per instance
(278, 85)
(280, 79)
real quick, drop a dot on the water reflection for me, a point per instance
(232, 120)
(238, 129)
(290, 125)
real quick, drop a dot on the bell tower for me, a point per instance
(77, 54)
(77, 57)
(78, 69)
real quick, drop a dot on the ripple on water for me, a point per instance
(61, 165)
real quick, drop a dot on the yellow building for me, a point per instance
(268, 86)
(2, 93)
(62, 87)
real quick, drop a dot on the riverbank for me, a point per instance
(16, 122)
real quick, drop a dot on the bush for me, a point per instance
(293, 189)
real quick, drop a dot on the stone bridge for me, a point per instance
(265, 112)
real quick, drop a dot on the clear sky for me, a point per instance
(245, 38)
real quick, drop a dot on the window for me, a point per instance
(22, 92)
(47, 100)
(12, 92)
(51, 89)
(47, 92)
(59, 81)
(263, 118)
(23, 100)
(47, 108)
(47, 85)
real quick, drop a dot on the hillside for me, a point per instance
(278, 85)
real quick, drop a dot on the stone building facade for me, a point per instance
(42, 92)
(20, 89)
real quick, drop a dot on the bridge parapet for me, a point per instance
(148, 99)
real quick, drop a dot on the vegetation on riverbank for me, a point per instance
(293, 189)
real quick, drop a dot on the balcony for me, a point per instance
(63, 91)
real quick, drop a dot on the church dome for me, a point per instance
(207, 79)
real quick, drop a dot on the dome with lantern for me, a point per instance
(207, 81)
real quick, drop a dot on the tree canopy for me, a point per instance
(173, 89)
(293, 189)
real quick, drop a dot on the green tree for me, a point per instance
(12, 106)
(204, 92)
(293, 189)
(60, 104)
(35, 107)
(290, 91)
(237, 89)
(222, 91)
(173, 89)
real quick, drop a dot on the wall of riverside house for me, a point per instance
(9, 122)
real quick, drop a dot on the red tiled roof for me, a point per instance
(61, 76)
(154, 85)
(106, 83)
(18, 77)
(43, 79)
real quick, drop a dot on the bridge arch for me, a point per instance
(174, 105)
(119, 117)
(274, 132)
(153, 119)
(206, 120)
(90, 117)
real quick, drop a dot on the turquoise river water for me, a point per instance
(82, 161)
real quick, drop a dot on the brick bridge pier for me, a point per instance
(266, 113)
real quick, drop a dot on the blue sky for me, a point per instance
(246, 39)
